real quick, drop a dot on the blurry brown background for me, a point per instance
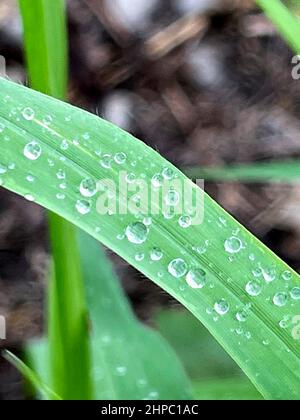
(205, 82)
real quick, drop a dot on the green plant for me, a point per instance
(69, 360)
(281, 171)
(243, 294)
(45, 42)
(285, 21)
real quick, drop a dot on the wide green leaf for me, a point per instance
(130, 361)
(227, 389)
(215, 376)
(189, 339)
(244, 295)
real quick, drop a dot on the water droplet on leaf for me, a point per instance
(233, 245)
(32, 150)
(295, 293)
(280, 299)
(156, 254)
(137, 233)
(196, 279)
(222, 307)
(83, 206)
(253, 288)
(28, 114)
(177, 268)
(88, 187)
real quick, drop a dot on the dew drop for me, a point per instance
(106, 161)
(147, 221)
(257, 272)
(222, 307)
(153, 395)
(2, 127)
(3, 169)
(137, 233)
(139, 257)
(28, 114)
(253, 288)
(47, 120)
(121, 370)
(177, 268)
(88, 187)
(248, 335)
(280, 299)
(168, 173)
(32, 150)
(233, 245)
(156, 254)
(120, 158)
(169, 213)
(242, 315)
(269, 274)
(130, 178)
(286, 275)
(295, 293)
(30, 178)
(60, 196)
(157, 180)
(29, 197)
(60, 174)
(64, 145)
(83, 206)
(185, 222)
(172, 198)
(285, 322)
(196, 279)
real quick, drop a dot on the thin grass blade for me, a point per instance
(285, 21)
(31, 376)
(277, 171)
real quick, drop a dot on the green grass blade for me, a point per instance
(130, 361)
(287, 23)
(284, 171)
(268, 353)
(32, 378)
(227, 389)
(45, 41)
(68, 322)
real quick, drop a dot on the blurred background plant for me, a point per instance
(207, 83)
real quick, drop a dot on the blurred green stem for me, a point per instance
(45, 41)
(287, 23)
